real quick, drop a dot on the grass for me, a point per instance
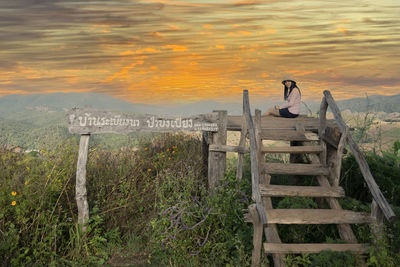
(149, 205)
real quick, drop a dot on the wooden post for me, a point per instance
(205, 148)
(345, 231)
(257, 236)
(255, 179)
(217, 159)
(270, 230)
(242, 143)
(80, 189)
(364, 168)
(339, 155)
(377, 226)
(322, 130)
(296, 158)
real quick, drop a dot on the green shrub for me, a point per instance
(200, 229)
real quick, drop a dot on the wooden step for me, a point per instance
(316, 216)
(292, 149)
(288, 135)
(300, 191)
(295, 169)
(313, 248)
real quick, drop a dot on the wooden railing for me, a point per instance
(379, 203)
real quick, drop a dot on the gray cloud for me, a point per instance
(59, 34)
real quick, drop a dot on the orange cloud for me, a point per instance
(271, 31)
(147, 50)
(341, 30)
(123, 74)
(185, 79)
(278, 53)
(176, 48)
(126, 53)
(173, 27)
(244, 33)
(155, 34)
(302, 72)
(208, 26)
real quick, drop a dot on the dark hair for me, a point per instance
(287, 91)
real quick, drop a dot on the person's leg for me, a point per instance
(272, 112)
(285, 113)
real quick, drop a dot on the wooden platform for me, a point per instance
(316, 149)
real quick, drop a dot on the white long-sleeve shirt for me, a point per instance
(293, 101)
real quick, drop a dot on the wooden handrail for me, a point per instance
(366, 172)
(255, 177)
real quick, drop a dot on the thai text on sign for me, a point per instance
(91, 121)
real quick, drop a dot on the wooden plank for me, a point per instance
(322, 117)
(288, 135)
(270, 122)
(292, 149)
(205, 150)
(255, 179)
(316, 216)
(295, 169)
(339, 155)
(225, 148)
(322, 130)
(242, 143)
(345, 231)
(257, 236)
(313, 248)
(270, 230)
(377, 227)
(80, 186)
(301, 191)
(373, 187)
(92, 121)
(259, 144)
(217, 160)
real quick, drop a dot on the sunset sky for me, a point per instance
(180, 51)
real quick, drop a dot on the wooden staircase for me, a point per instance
(324, 157)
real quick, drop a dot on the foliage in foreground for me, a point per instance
(149, 206)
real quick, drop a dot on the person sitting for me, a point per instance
(292, 96)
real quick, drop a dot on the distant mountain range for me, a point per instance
(31, 120)
(388, 104)
(15, 106)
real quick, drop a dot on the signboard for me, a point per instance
(92, 121)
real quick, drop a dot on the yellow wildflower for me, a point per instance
(13, 193)
(167, 149)
(145, 149)
(26, 182)
(27, 168)
(13, 203)
(173, 152)
(149, 170)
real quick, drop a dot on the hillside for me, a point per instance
(30, 107)
(27, 120)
